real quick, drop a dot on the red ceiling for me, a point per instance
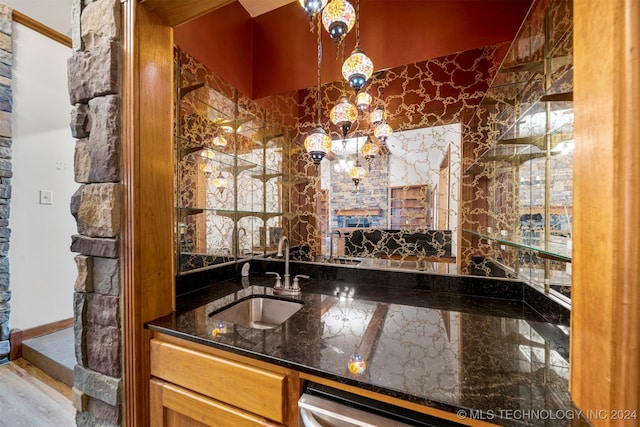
(275, 52)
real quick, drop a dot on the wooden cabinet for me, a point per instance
(174, 406)
(409, 207)
(196, 385)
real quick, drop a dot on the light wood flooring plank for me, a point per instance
(30, 398)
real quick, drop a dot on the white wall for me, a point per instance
(42, 268)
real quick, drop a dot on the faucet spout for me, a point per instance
(284, 244)
(331, 243)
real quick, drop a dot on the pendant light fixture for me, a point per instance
(343, 114)
(338, 19)
(220, 182)
(363, 101)
(377, 116)
(313, 6)
(382, 131)
(220, 141)
(357, 172)
(207, 168)
(358, 68)
(208, 154)
(318, 143)
(370, 150)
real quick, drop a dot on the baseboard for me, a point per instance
(15, 344)
(17, 336)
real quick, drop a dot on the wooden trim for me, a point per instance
(147, 266)
(359, 212)
(176, 12)
(15, 344)
(47, 329)
(605, 319)
(39, 27)
(17, 336)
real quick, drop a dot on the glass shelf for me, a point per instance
(559, 250)
(196, 95)
(228, 213)
(189, 150)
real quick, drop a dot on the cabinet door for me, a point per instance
(173, 406)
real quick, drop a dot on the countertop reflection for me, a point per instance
(445, 351)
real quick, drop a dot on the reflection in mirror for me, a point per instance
(229, 170)
(404, 212)
(517, 176)
(479, 149)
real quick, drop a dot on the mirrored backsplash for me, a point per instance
(474, 178)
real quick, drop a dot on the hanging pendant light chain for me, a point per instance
(319, 68)
(357, 23)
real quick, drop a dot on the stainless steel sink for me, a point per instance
(258, 312)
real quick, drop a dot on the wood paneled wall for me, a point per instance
(605, 325)
(147, 158)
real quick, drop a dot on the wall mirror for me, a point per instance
(474, 179)
(404, 213)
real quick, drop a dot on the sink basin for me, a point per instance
(258, 312)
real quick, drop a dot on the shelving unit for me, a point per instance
(409, 207)
(520, 162)
(217, 224)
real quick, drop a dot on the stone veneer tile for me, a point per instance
(85, 419)
(105, 412)
(5, 124)
(95, 246)
(6, 98)
(79, 331)
(80, 121)
(82, 161)
(106, 276)
(84, 280)
(103, 310)
(103, 349)
(96, 208)
(97, 385)
(6, 42)
(93, 73)
(104, 139)
(100, 22)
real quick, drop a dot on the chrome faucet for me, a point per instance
(238, 241)
(331, 243)
(284, 241)
(288, 288)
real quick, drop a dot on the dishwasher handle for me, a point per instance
(307, 419)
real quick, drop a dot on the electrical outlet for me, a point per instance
(46, 197)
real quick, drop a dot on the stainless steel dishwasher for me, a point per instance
(322, 406)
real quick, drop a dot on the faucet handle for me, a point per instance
(278, 280)
(296, 281)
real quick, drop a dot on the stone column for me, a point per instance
(94, 89)
(6, 103)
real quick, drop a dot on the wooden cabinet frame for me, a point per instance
(606, 319)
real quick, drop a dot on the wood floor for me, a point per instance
(31, 398)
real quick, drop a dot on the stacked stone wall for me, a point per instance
(94, 92)
(6, 107)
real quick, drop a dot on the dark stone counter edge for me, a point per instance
(475, 286)
(453, 409)
(305, 369)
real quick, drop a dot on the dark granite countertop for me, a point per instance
(497, 360)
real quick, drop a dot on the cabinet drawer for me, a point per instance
(174, 405)
(253, 389)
